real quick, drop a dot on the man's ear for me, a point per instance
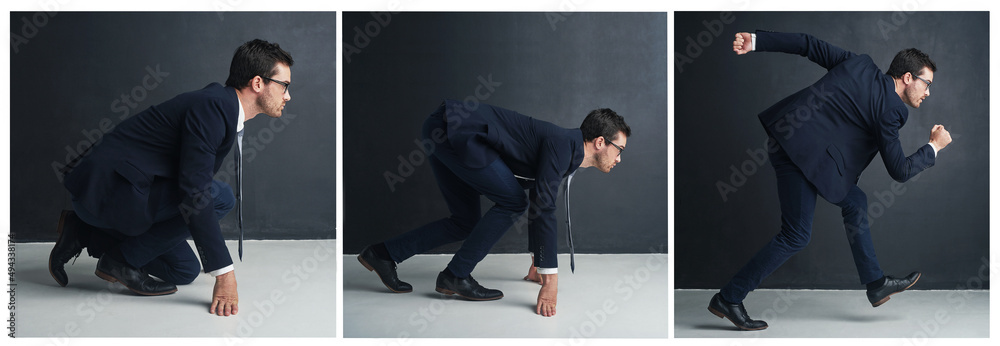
(257, 84)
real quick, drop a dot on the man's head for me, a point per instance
(262, 69)
(605, 134)
(913, 72)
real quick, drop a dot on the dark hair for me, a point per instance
(604, 122)
(910, 60)
(256, 58)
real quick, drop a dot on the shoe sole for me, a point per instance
(112, 279)
(372, 269)
(886, 299)
(450, 292)
(59, 231)
(722, 315)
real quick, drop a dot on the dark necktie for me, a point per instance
(569, 226)
(239, 188)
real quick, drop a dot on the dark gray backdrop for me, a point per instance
(68, 78)
(552, 66)
(937, 223)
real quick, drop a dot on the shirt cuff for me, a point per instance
(221, 271)
(548, 271)
(933, 147)
(753, 42)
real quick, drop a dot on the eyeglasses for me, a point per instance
(925, 81)
(620, 149)
(286, 84)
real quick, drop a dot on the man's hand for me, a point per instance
(742, 44)
(533, 272)
(940, 137)
(547, 295)
(224, 297)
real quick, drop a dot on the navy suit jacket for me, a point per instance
(833, 129)
(531, 148)
(165, 154)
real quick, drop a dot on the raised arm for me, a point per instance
(818, 51)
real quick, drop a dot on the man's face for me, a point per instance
(273, 98)
(610, 156)
(920, 88)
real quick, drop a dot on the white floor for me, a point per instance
(619, 296)
(915, 315)
(286, 288)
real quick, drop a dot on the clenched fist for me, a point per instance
(940, 137)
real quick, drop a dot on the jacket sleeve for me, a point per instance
(900, 167)
(818, 51)
(204, 129)
(542, 226)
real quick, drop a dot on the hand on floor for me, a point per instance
(225, 300)
(546, 305)
(533, 273)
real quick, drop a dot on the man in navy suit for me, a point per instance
(148, 185)
(477, 149)
(821, 139)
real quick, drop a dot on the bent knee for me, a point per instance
(185, 279)
(186, 276)
(794, 239)
(516, 206)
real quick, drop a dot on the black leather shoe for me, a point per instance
(67, 247)
(735, 313)
(466, 288)
(134, 279)
(879, 296)
(386, 270)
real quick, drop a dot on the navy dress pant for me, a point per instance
(797, 197)
(461, 188)
(162, 250)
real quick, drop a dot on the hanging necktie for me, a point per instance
(569, 226)
(239, 188)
